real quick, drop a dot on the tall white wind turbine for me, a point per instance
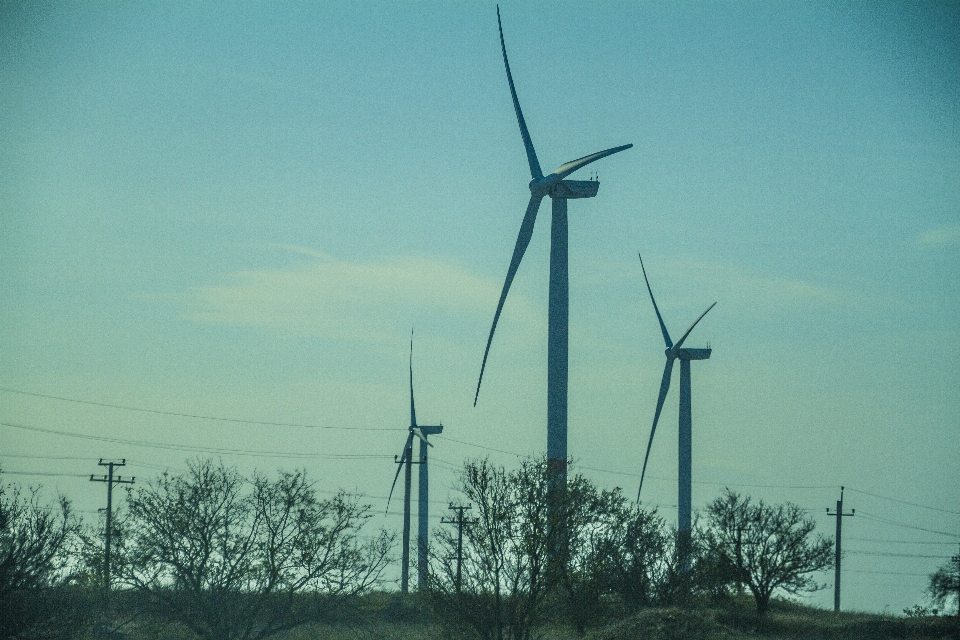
(675, 352)
(560, 190)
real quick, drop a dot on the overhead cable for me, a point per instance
(216, 450)
(191, 415)
(912, 504)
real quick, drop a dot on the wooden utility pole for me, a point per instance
(460, 522)
(839, 515)
(110, 480)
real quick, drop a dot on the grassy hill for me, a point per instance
(785, 621)
(386, 617)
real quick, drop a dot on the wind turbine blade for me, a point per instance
(663, 327)
(413, 409)
(403, 458)
(680, 342)
(566, 169)
(664, 387)
(523, 239)
(535, 171)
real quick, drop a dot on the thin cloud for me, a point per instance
(326, 257)
(735, 284)
(942, 237)
(696, 283)
(355, 300)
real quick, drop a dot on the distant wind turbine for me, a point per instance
(405, 462)
(674, 352)
(559, 190)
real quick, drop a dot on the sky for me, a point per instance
(221, 222)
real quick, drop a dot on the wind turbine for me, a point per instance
(675, 352)
(405, 462)
(560, 190)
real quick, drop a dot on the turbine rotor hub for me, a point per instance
(543, 186)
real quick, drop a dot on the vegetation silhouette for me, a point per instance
(211, 554)
(764, 547)
(228, 556)
(38, 544)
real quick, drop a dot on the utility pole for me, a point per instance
(839, 515)
(460, 522)
(110, 480)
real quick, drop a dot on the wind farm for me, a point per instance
(220, 223)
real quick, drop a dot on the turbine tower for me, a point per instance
(405, 462)
(559, 190)
(675, 352)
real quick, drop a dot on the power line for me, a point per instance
(17, 455)
(217, 450)
(44, 473)
(190, 415)
(637, 475)
(895, 555)
(912, 504)
(767, 486)
(888, 573)
(899, 541)
(139, 463)
(342, 428)
(480, 446)
(905, 526)
(357, 456)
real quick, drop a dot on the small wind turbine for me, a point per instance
(559, 190)
(405, 462)
(674, 352)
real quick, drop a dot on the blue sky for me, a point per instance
(241, 211)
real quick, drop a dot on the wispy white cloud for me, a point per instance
(691, 282)
(944, 236)
(736, 284)
(304, 250)
(340, 299)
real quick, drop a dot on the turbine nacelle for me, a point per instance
(688, 354)
(431, 430)
(567, 189)
(423, 432)
(554, 184)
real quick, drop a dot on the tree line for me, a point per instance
(230, 557)
(226, 556)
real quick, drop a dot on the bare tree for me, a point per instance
(945, 584)
(765, 547)
(36, 551)
(242, 560)
(519, 567)
(629, 552)
(615, 553)
(504, 570)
